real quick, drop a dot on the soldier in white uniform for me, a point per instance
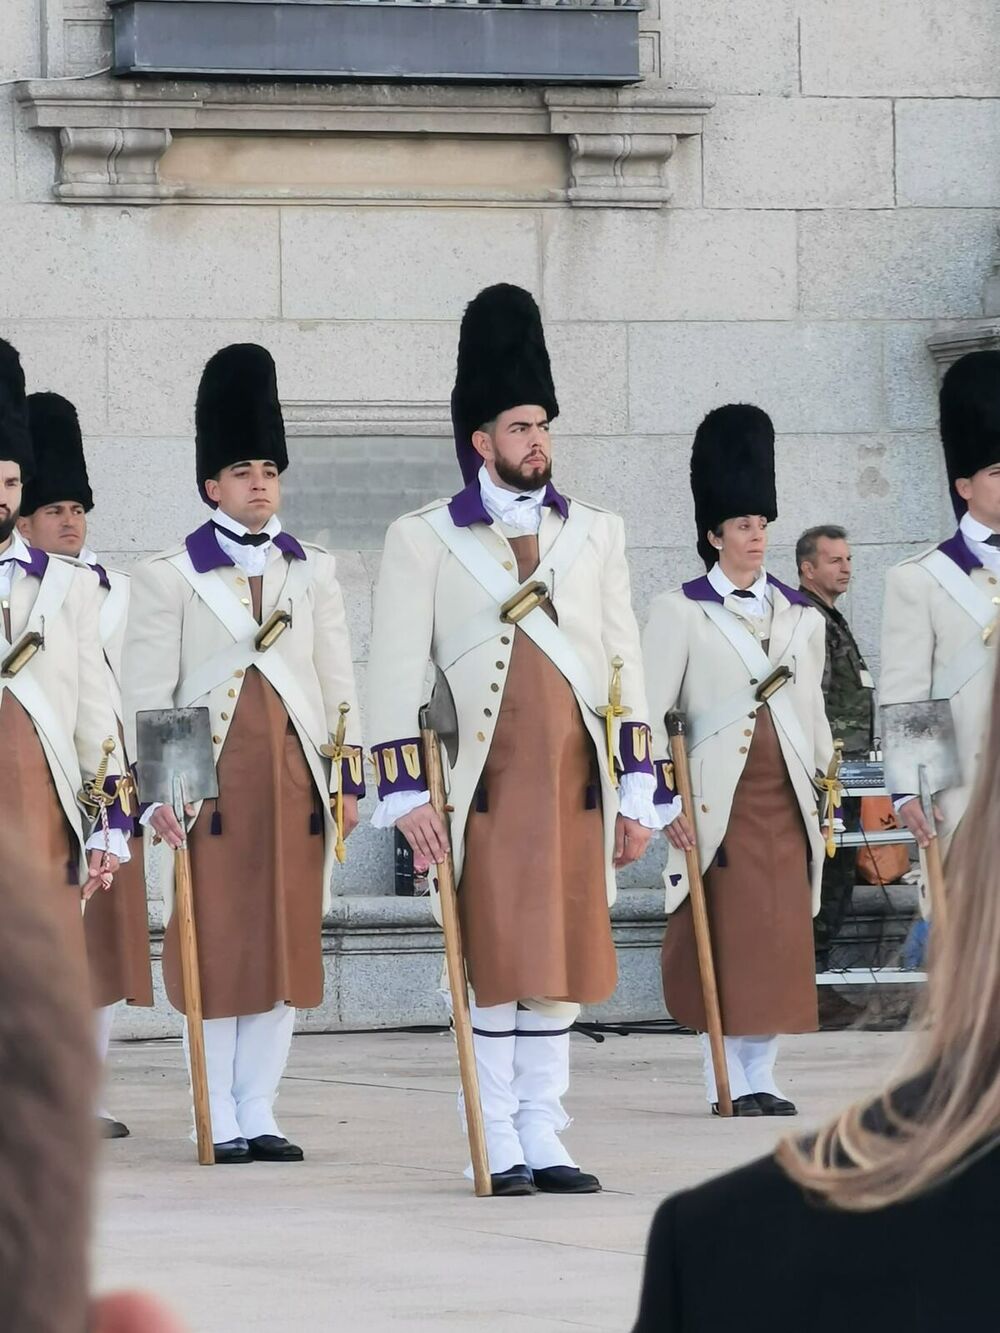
(249, 622)
(941, 607)
(54, 511)
(542, 812)
(710, 647)
(58, 732)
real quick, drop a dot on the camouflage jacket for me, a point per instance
(850, 702)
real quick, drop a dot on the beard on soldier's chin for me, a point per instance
(521, 477)
(8, 523)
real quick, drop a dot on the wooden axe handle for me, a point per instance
(187, 939)
(455, 960)
(676, 726)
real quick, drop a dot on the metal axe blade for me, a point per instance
(172, 744)
(440, 716)
(920, 736)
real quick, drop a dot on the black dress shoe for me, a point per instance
(565, 1180)
(515, 1180)
(273, 1148)
(746, 1105)
(771, 1105)
(232, 1151)
(111, 1129)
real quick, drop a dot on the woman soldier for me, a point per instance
(741, 655)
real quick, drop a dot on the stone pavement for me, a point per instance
(377, 1230)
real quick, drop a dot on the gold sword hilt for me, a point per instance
(92, 795)
(611, 710)
(335, 753)
(831, 786)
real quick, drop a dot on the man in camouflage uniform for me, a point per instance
(823, 558)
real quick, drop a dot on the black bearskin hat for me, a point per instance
(502, 363)
(970, 418)
(732, 470)
(60, 467)
(237, 414)
(15, 436)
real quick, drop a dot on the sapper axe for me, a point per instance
(439, 726)
(176, 766)
(676, 724)
(921, 756)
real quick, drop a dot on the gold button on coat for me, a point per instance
(225, 717)
(743, 749)
(480, 736)
(495, 689)
(217, 740)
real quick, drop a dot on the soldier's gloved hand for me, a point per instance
(911, 812)
(424, 830)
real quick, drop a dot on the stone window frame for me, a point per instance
(112, 134)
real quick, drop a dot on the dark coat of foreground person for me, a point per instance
(750, 1253)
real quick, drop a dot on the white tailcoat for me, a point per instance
(64, 688)
(425, 595)
(172, 632)
(923, 630)
(691, 665)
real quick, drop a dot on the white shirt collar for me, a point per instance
(977, 537)
(251, 559)
(974, 530)
(17, 550)
(725, 587)
(515, 509)
(89, 557)
(272, 527)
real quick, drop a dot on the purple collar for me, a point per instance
(467, 506)
(206, 553)
(36, 564)
(701, 590)
(102, 575)
(957, 548)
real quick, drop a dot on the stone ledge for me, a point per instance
(113, 137)
(980, 336)
(383, 955)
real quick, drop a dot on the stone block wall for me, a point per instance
(840, 205)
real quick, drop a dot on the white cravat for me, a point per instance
(756, 605)
(976, 536)
(251, 559)
(521, 510)
(17, 550)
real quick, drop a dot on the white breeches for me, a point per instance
(750, 1061)
(103, 1022)
(245, 1058)
(522, 1058)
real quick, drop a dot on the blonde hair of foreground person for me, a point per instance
(875, 1153)
(47, 1129)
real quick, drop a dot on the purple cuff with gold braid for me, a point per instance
(635, 745)
(399, 766)
(117, 818)
(665, 789)
(352, 774)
